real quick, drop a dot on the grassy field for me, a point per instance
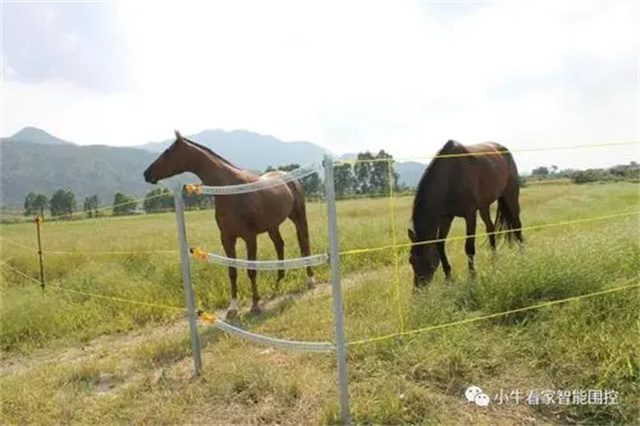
(74, 359)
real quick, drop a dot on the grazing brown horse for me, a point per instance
(458, 182)
(239, 215)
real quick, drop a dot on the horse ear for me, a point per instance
(412, 235)
(178, 136)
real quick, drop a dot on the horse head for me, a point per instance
(424, 260)
(171, 162)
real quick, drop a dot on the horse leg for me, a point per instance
(299, 218)
(485, 214)
(229, 245)
(445, 225)
(252, 249)
(278, 242)
(470, 245)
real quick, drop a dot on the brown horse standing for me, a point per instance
(458, 182)
(239, 215)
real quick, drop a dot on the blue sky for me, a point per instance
(403, 76)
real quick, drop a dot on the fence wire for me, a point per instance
(624, 286)
(464, 237)
(496, 152)
(327, 346)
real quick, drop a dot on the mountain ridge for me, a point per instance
(48, 163)
(36, 135)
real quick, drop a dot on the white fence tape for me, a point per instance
(277, 343)
(262, 183)
(269, 265)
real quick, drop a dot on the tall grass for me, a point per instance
(591, 343)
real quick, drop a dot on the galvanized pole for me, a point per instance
(186, 277)
(338, 315)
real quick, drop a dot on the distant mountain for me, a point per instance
(410, 173)
(85, 170)
(250, 150)
(34, 160)
(35, 135)
(349, 156)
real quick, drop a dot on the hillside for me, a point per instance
(85, 170)
(34, 160)
(35, 135)
(250, 150)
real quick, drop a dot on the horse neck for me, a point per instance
(426, 221)
(428, 206)
(213, 171)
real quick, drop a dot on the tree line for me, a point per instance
(63, 204)
(370, 176)
(628, 172)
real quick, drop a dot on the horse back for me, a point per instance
(475, 174)
(491, 169)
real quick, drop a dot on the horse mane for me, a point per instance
(423, 205)
(209, 151)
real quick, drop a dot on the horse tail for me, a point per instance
(507, 223)
(299, 217)
(504, 221)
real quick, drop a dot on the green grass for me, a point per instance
(590, 343)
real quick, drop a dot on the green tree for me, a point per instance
(540, 172)
(196, 201)
(363, 170)
(62, 202)
(40, 204)
(344, 179)
(29, 208)
(312, 184)
(151, 203)
(91, 205)
(123, 204)
(158, 200)
(379, 179)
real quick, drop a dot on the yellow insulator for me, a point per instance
(207, 317)
(199, 253)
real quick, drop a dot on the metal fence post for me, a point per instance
(338, 315)
(186, 277)
(38, 220)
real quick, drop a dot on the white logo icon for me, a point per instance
(475, 394)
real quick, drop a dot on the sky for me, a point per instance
(350, 75)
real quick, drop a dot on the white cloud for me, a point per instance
(355, 75)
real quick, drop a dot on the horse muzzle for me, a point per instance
(420, 281)
(148, 178)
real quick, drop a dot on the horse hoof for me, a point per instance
(255, 309)
(311, 283)
(231, 314)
